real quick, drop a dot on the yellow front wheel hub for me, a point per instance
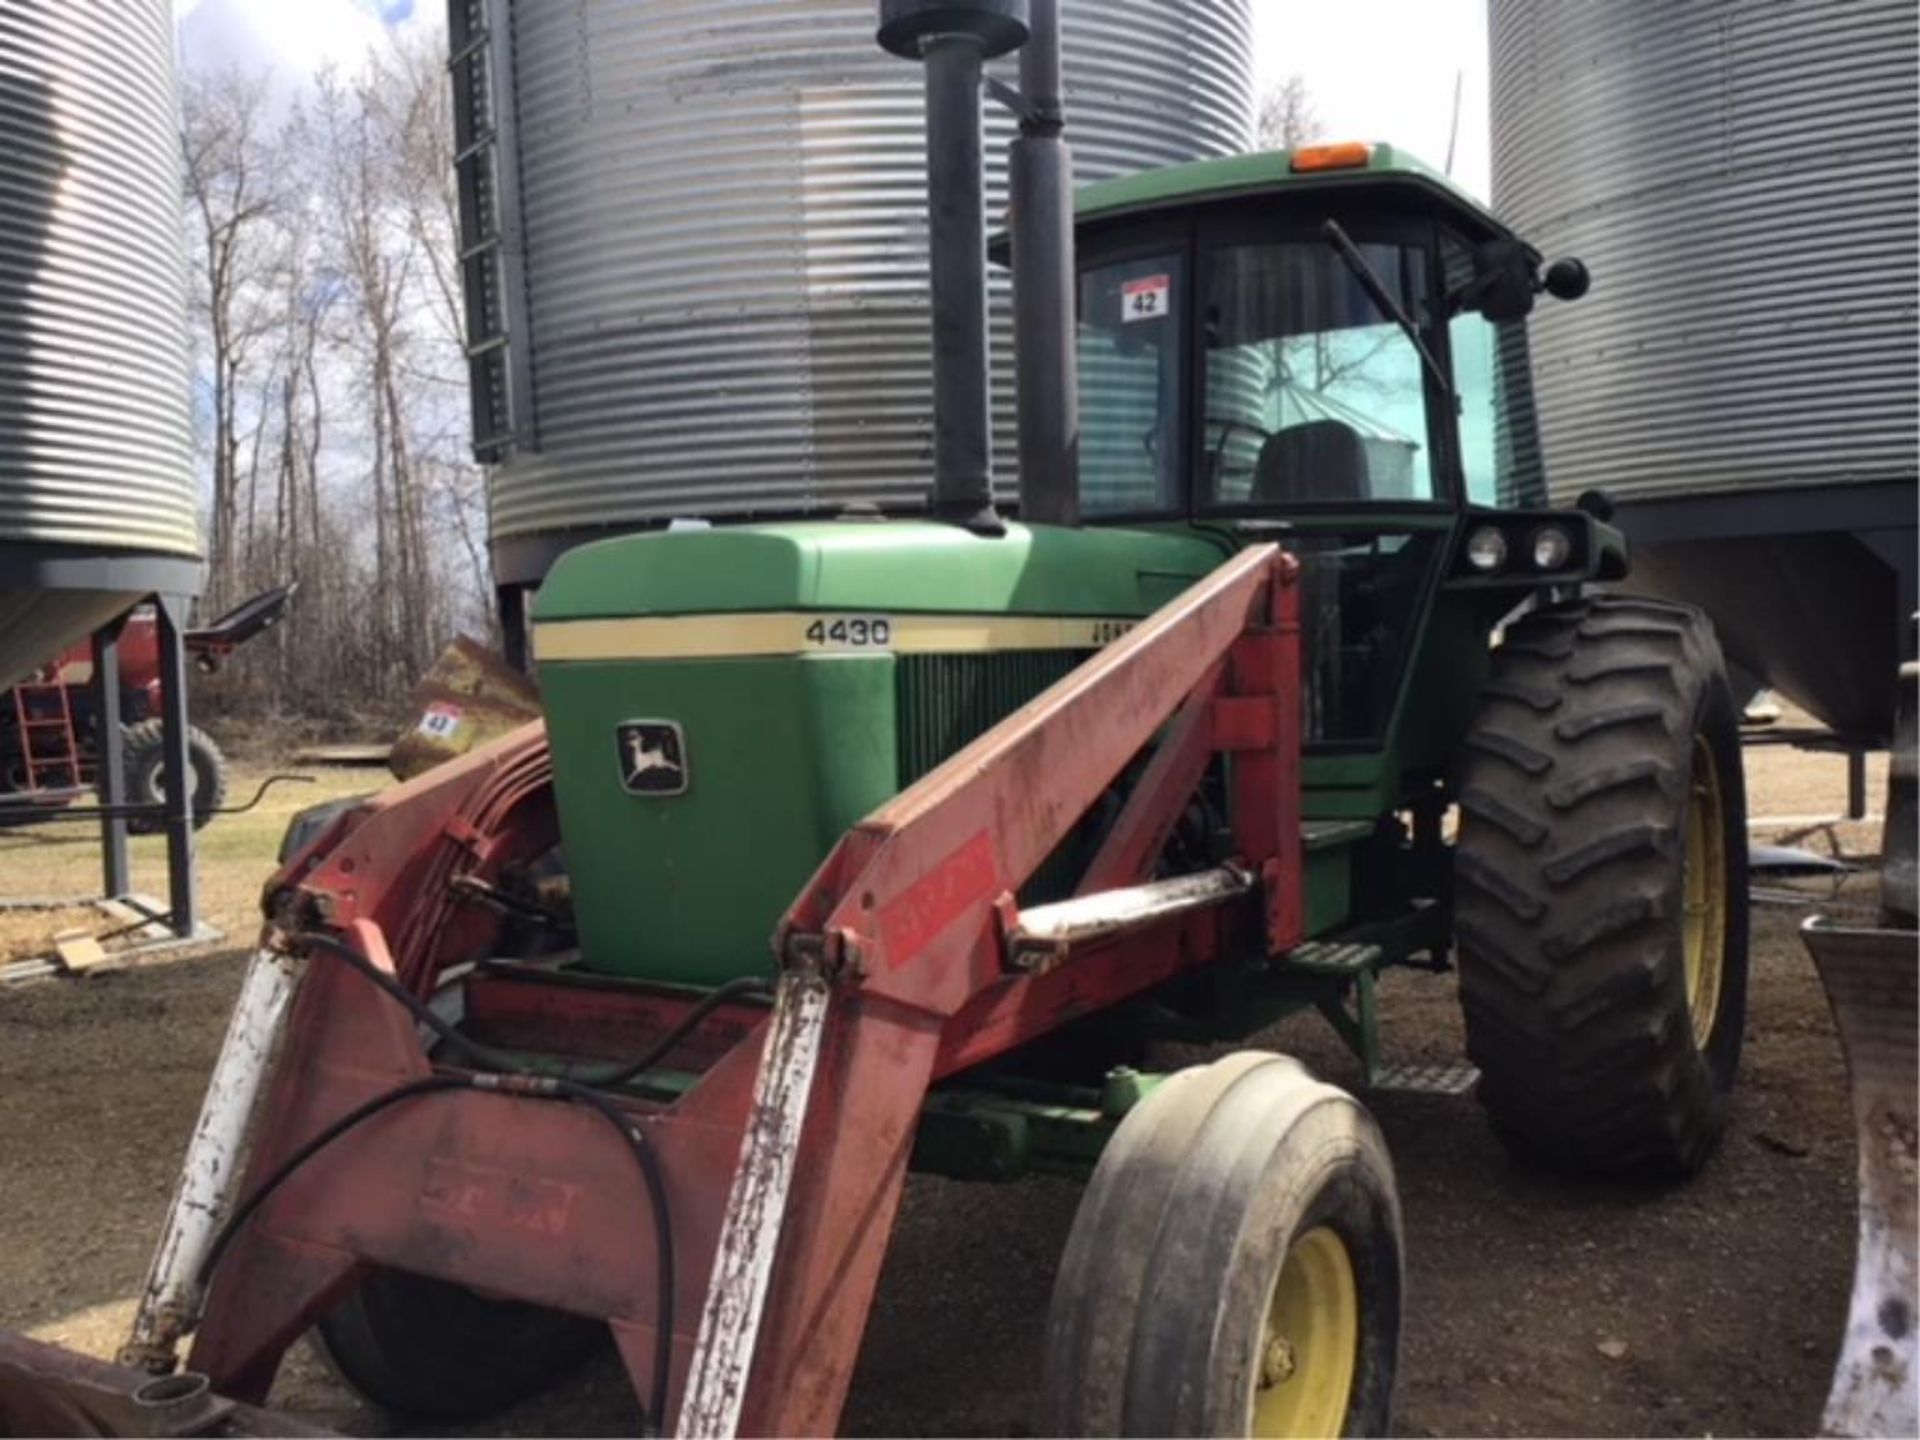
(1312, 1343)
(1704, 893)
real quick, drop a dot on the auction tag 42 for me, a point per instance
(1145, 298)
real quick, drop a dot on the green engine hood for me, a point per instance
(803, 674)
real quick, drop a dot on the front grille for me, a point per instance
(944, 701)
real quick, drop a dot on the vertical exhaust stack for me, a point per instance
(1046, 363)
(954, 39)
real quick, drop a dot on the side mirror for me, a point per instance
(1502, 286)
(1597, 503)
(1567, 279)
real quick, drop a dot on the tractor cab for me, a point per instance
(1329, 346)
(1301, 335)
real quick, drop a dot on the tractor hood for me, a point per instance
(868, 565)
(723, 704)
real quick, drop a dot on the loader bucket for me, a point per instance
(1870, 977)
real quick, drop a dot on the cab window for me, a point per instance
(1314, 395)
(1132, 439)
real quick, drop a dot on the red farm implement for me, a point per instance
(49, 740)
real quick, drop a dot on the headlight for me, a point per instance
(1551, 548)
(1487, 549)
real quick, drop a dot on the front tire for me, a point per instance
(1234, 1267)
(1601, 887)
(432, 1350)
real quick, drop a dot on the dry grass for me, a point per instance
(234, 855)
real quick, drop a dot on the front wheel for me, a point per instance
(1600, 900)
(1234, 1267)
(433, 1350)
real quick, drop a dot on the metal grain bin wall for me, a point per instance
(1741, 177)
(97, 499)
(1742, 379)
(708, 291)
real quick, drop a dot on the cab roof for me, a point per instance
(1201, 181)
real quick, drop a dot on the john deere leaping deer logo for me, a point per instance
(653, 757)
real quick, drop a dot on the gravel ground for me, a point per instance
(1535, 1306)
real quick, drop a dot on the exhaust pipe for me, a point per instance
(954, 39)
(1046, 362)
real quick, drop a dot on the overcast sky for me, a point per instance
(1378, 69)
(1385, 70)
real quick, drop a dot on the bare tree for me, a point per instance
(1287, 118)
(329, 316)
(416, 115)
(233, 200)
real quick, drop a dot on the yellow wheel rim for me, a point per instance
(1704, 894)
(1312, 1341)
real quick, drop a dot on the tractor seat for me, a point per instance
(1320, 460)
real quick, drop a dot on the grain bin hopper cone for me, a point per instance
(1871, 976)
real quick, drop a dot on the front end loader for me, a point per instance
(1287, 673)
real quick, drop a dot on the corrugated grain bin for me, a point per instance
(709, 292)
(97, 500)
(1743, 178)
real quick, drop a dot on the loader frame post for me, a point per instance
(110, 764)
(170, 614)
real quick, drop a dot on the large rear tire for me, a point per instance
(1601, 888)
(1234, 1267)
(436, 1351)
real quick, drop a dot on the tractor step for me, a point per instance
(1339, 959)
(1427, 1079)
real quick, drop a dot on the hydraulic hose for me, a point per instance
(284, 1171)
(649, 1163)
(602, 1079)
(508, 1076)
(532, 1087)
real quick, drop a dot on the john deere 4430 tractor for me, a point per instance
(1286, 674)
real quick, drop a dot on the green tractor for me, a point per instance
(1328, 349)
(1270, 347)
(1288, 674)
(1503, 769)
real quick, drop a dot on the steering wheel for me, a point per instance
(1218, 450)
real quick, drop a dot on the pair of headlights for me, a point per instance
(1549, 547)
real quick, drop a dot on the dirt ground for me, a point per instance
(1535, 1306)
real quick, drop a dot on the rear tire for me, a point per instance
(1234, 1267)
(144, 749)
(437, 1351)
(1601, 888)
